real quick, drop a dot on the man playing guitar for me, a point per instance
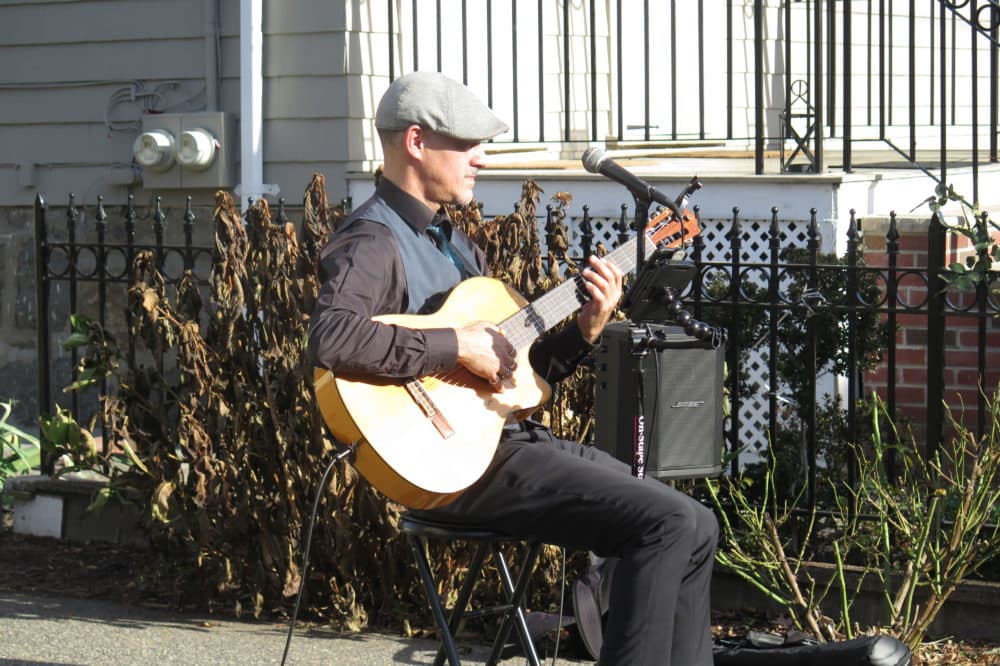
(396, 260)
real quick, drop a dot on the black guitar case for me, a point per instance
(760, 649)
(590, 602)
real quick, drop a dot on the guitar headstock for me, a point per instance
(668, 229)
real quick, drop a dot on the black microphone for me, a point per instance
(596, 161)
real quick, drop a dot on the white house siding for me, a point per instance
(62, 64)
(325, 65)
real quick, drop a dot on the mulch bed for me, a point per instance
(105, 571)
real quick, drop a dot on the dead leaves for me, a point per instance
(227, 430)
(222, 420)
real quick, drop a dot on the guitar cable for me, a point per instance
(349, 451)
(562, 601)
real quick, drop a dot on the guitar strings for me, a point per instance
(549, 305)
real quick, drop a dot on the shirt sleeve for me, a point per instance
(363, 277)
(556, 355)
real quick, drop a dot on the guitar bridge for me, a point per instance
(427, 406)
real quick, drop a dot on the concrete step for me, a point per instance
(60, 507)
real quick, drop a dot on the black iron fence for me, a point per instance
(916, 80)
(794, 313)
(881, 305)
(83, 265)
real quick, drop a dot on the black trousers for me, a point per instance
(562, 493)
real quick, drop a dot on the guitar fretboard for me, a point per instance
(523, 327)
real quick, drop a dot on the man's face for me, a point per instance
(449, 168)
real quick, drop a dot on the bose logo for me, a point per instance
(687, 403)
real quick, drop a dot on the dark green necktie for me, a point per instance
(440, 232)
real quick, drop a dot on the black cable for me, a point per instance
(562, 601)
(305, 557)
(656, 388)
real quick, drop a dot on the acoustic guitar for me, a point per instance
(422, 441)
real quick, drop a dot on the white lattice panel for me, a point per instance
(755, 248)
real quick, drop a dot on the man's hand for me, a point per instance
(485, 352)
(603, 282)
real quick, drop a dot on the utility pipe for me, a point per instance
(251, 105)
(211, 55)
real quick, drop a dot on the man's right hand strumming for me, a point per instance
(485, 352)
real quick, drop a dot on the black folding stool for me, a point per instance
(419, 530)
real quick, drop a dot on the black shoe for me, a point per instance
(590, 603)
(587, 611)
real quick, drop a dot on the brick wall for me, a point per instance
(961, 374)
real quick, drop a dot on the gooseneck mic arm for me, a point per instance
(596, 161)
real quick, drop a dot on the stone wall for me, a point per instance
(18, 347)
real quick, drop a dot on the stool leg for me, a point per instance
(447, 641)
(515, 597)
(475, 566)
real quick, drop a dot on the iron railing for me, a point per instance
(916, 82)
(83, 265)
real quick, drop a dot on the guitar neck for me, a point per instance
(522, 328)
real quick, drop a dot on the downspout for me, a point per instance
(211, 55)
(252, 185)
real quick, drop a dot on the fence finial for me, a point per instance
(101, 214)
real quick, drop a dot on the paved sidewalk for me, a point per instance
(46, 631)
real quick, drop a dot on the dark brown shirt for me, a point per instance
(362, 276)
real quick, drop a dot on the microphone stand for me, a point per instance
(639, 223)
(637, 346)
(638, 349)
(640, 343)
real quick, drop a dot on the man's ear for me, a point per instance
(414, 139)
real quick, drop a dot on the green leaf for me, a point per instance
(23, 457)
(53, 430)
(14, 434)
(73, 435)
(79, 384)
(79, 323)
(75, 339)
(86, 378)
(103, 495)
(130, 452)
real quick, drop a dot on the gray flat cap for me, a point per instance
(438, 103)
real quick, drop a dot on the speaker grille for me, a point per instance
(682, 401)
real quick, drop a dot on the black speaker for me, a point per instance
(682, 400)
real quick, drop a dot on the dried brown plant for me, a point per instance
(230, 442)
